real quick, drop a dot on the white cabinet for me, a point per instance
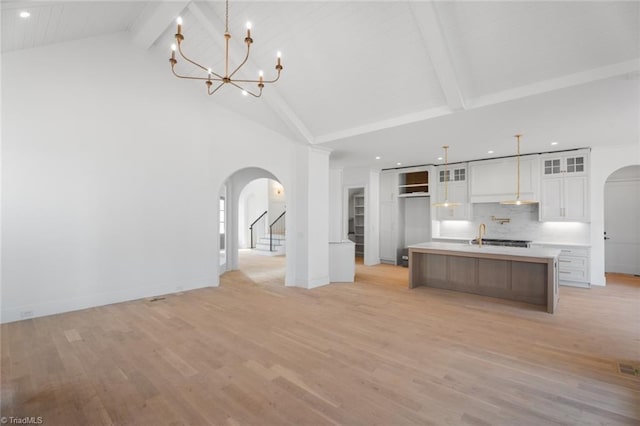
(573, 264)
(388, 216)
(413, 182)
(404, 210)
(493, 181)
(565, 188)
(342, 264)
(574, 163)
(388, 185)
(457, 189)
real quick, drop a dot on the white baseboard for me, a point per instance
(59, 306)
(318, 282)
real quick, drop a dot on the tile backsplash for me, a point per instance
(523, 225)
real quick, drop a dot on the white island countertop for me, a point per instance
(539, 252)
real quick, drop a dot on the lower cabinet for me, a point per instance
(573, 264)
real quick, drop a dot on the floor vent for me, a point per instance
(156, 299)
(632, 370)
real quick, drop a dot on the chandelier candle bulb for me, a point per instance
(179, 22)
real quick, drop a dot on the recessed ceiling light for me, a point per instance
(398, 164)
(554, 143)
(439, 158)
(24, 14)
(490, 151)
(377, 157)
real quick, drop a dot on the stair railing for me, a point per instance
(278, 227)
(255, 230)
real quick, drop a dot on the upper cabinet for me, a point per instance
(457, 192)
(414, 183)
(565, 187)
(388, 185)
(388, 216)
(496, 180)
(573, 164)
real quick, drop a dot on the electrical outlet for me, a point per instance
(26, 314)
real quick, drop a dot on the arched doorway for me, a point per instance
(247, 191)
(622, 221)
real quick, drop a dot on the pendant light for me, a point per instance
(446, 203)
(518, 201)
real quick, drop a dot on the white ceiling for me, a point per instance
(54, 21)
(395, 79)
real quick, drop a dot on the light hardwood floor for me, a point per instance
(369, 353)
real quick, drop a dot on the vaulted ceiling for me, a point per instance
(394, 79)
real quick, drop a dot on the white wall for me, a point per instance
(111, 175)
(335, 206)
(310, 213)
(253, 201)
(276, 200)
(604, 161)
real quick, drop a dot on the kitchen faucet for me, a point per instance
(482, 230)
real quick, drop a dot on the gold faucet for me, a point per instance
(482, 230)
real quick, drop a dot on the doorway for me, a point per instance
(239, 206)
(622, 221)
(356, 219)
(262, 217)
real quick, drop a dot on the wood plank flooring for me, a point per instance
(253, 352)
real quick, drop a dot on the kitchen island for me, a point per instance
(522, 274)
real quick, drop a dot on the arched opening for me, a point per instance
(622, 221)
(254, 225)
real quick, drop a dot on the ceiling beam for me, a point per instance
(426, 19)
(215, 27)
(628, 68)
(154, 20)
(620, 69)
(385, 124)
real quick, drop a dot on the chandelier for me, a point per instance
(212, 78)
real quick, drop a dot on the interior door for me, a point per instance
(622, 227)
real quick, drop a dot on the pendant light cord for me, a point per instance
(226, 18)
(518, 177)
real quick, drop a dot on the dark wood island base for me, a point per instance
(520, 274)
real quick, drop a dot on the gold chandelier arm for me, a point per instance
(214, 90)
(274, 80)
(258, 81)
(248, 91)
(243, 62)
(186, 77)
(195, 63)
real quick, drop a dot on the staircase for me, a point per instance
(263, 245)
(271, 243)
